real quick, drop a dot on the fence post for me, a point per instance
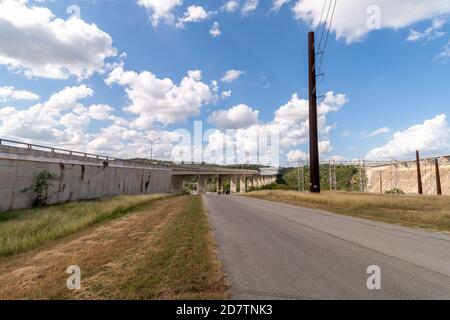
(419, 173)
(438, 178)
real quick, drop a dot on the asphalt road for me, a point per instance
(278, 251)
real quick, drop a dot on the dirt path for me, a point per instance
(105, 254)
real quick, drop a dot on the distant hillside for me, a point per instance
(347, 177)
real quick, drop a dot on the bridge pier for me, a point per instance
(201, 184)
(243, 185)
(233, 184)
(220, 188)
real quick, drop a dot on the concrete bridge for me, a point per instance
(239, 180)
(82, 176)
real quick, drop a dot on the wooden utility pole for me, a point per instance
(419, 173)
(313, 130)
(438, 178)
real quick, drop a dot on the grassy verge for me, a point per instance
(23, 230)
(184, 265)
(429, 212)
(163, 250)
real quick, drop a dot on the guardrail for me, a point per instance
(37, 147)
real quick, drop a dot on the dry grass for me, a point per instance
(23, 230)
(185, 263)
(163, 250)
(429, 212)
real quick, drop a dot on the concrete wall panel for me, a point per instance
(75, 181)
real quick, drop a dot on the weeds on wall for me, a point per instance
(44, 181)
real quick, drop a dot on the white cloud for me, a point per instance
(231, 6)
(293, 119)
(61, 121)
(11, 94)
(433, 136)
(325, 146)
(277, 4)
(290, 121)
(160, 10)
(237, 117)
(249, 6)
(66, 47)
(161, 100)
(294, 156)
(226, 94)
(432, 32)
(193, 14)
(100, 112)
(232, 75)
(215, 30)
(67, 98)
(351, 17)
(444, 56)
(377, 132)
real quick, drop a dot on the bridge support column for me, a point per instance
(201, 184)
(243, 185)
(220, 188)
(233, 184)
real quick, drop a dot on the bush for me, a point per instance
(395, 191)
(44, 180)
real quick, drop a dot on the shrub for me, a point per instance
(40, 188)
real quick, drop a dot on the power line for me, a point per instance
(323, 50)
(321, 15)
(328, 34)
(325, 22)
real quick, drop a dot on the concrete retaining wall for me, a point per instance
(77, 179)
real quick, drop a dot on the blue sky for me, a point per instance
(390, 83)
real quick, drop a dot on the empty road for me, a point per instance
(277, 251)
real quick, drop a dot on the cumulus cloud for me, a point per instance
(293, 120)
(237, 117)
(62, 120)
(161, 100)
(290, 127)
(193, 14)
(160, 10)
(11, 94)
(294, 156)
(232, 75)
(226, 94)
(231, 6)
(215, 30)
(249, 6)
(66, 47)
(432, 136)
(352, 20)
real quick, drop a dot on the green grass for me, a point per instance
(429, 212)
(23, 230)
(184, 265)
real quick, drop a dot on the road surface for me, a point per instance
(278, 251)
